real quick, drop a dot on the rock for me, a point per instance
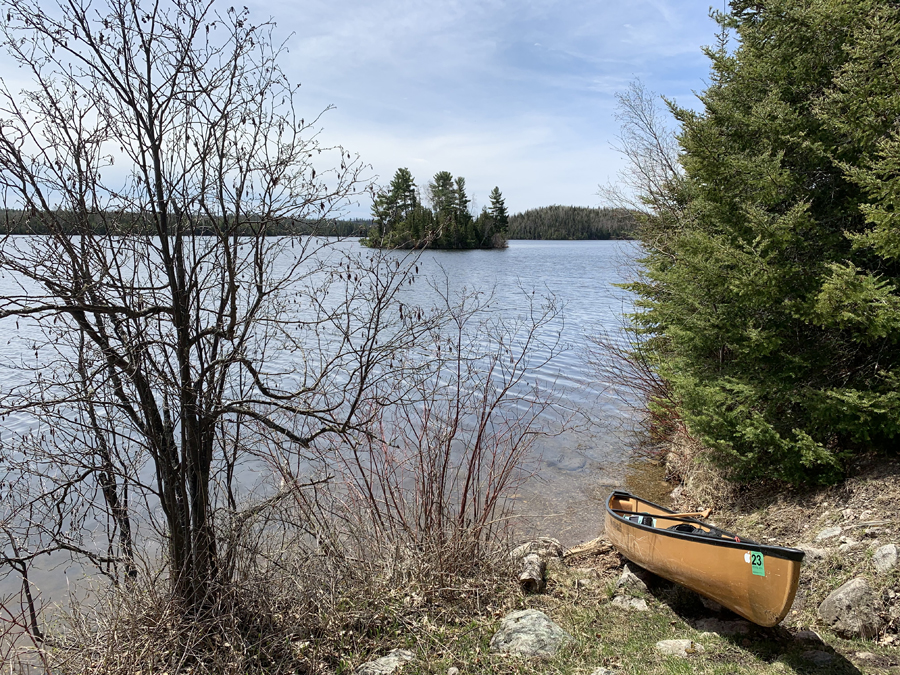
(828, 533)
(886, 558)
(528, 633)
(676, 493)
(604, 671)
(850, 610)
(817, 657)
(681, 648)
(631, 582)
(848, 545)
(386, 664)
(545, 547)
(638, 604)
(812, 553)
(586, 577)
(865, 656)
(720, 627)
(808, 635)
(799, 600)
(711, 605)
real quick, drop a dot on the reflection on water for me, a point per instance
(572, 471)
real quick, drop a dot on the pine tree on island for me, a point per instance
(401, 220)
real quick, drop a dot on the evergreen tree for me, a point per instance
(771, 294)
(442, 193)
(465, 232)
(400, 220)
(393, 206)
(498, 212)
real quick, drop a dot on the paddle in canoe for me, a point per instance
(754, 580)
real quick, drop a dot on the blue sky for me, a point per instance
(515, 94)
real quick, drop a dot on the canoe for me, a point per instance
(757, 581)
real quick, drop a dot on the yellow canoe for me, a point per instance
(758, 582)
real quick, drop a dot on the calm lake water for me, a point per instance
(574, 470)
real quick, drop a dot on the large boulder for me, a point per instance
(529, 633)
(852, 610)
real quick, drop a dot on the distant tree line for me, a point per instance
(400, 219)
(19, 222)
(572, 222)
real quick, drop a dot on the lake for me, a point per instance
(573, 470)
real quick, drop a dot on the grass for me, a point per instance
(312, 620)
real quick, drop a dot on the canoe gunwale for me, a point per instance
(746, 545)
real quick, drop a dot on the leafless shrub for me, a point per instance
(626, 366)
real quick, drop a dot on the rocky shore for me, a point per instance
(590, 612)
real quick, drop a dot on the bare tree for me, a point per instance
(158, 146)
(652, 170)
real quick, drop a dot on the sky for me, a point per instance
(514, 94)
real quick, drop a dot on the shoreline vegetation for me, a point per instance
(763, 348)
(400, 218)
(548, 223)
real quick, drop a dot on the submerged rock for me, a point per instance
(529, 633)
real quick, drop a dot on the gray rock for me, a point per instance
(452, 670)
(850, 610)
(886, 558)
(720, 627)
(638, 604)
(828, 533)
(808, 635)
(817, 657)
(631, 582)
(528, 633)
(711, 605)
(812, 553)
(604, 671)
(386, 664)
(681, 648)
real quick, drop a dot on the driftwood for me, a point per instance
(597, 545)
(531, 579)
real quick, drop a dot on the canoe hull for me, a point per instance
(756, 581)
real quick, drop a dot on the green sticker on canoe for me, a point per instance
(758, 563)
